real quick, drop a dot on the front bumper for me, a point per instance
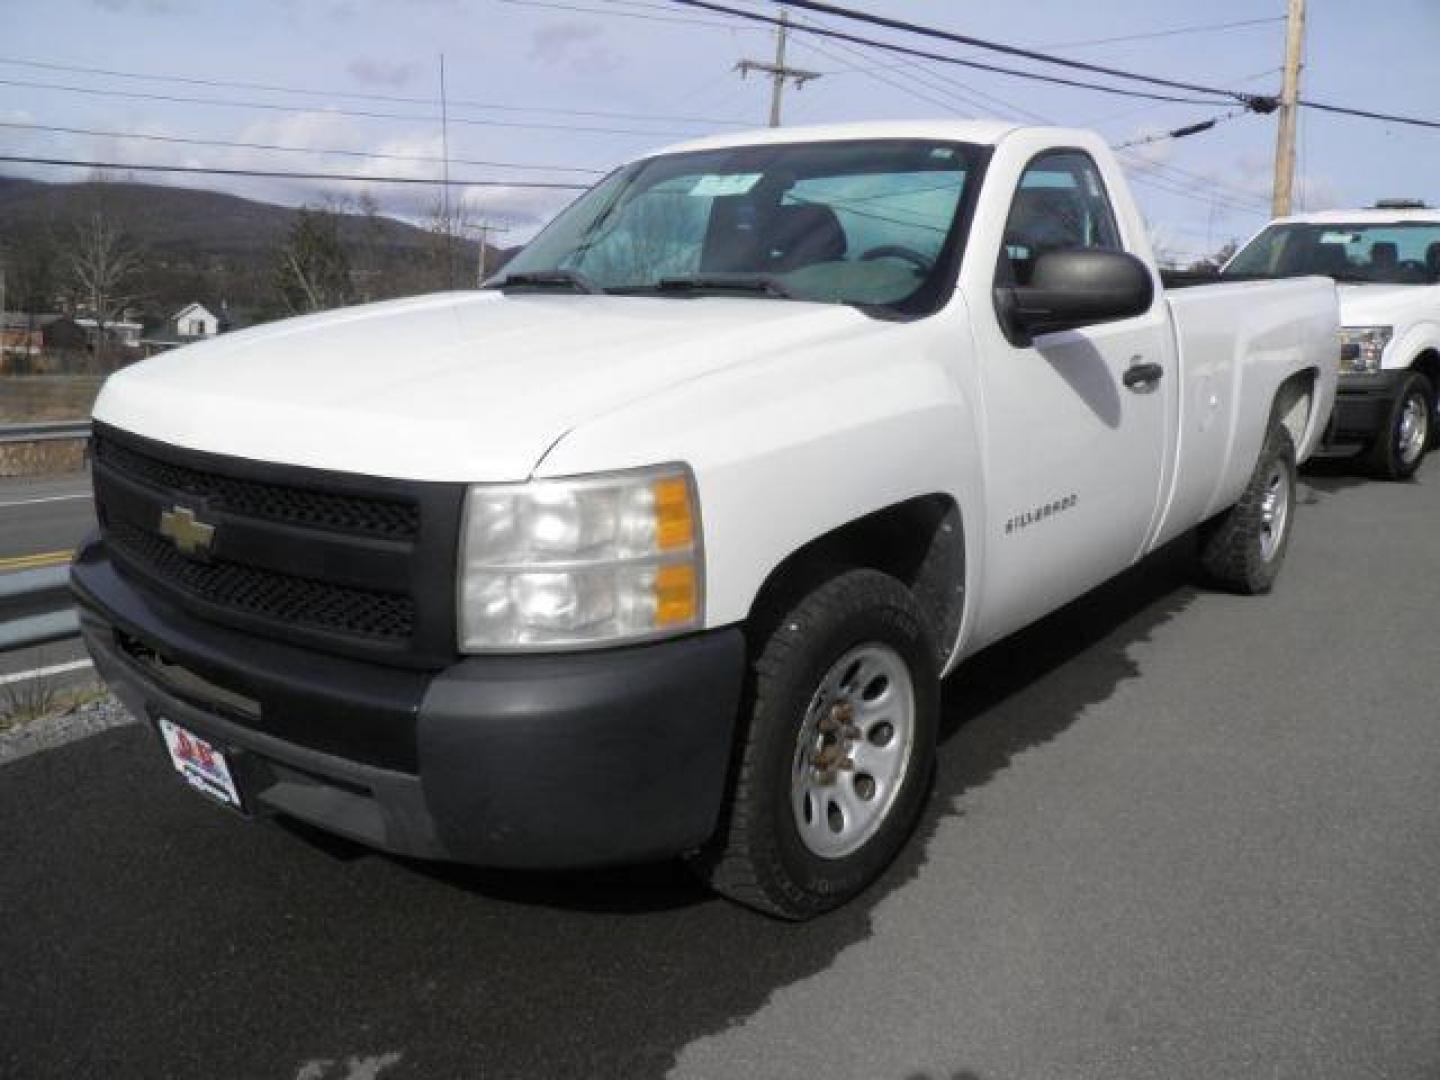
(554, 760)
(1362, 406)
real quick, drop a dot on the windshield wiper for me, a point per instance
(764, 284)
(548, 279)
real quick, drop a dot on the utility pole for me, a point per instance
(1289, 96)
(777, 71)
(486, 229)
(445, 181)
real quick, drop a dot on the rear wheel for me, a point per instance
(1243, 548)
(838, 750)
(1401, 446)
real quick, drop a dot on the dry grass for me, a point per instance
(38, 699)
(27, 398)
(43, 458)
(30, 398)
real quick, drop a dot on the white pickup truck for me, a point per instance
(1387, 262)
(662, 544)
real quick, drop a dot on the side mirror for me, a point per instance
(1069, 289)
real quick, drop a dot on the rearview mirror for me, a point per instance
(1070, 289)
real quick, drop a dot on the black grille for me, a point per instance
(345, 563)
(268, 595)
(357, 515)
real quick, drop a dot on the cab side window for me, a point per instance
(1060, 204)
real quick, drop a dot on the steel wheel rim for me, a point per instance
(1274, 512)
(853, 750)
(1414, 429)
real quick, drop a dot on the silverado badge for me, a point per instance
(189, 534)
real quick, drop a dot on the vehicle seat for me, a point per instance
(1330, 259)
(1384, 258)
(1041, 220)
(1432, 261)
(803, 234)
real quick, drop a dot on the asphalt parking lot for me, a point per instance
(1175, 834)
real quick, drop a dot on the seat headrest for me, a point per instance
(802, 234)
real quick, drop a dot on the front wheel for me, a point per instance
(838, 750)
(1243, 548)
(1401, 445)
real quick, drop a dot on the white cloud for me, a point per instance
(576, 44)
(374, 72)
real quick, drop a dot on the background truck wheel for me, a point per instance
(837, 755)
(1243, 548)
(1400, 448)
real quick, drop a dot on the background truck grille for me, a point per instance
(350, 564)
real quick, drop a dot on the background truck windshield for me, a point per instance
(1383, 253)
(871, 222)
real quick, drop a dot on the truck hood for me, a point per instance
(1386, 305)
(457, 386)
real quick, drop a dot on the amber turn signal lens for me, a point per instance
(676, 596)
(674, 521)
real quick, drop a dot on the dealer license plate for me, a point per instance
(203, 767)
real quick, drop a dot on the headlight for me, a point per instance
(1361, 348)
(595, 560)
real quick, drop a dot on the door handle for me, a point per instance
(1140, 376)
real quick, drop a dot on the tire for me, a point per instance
(1399, 449)
(832, 769)
(1243, 549)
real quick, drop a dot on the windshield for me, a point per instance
(1382, 253)
(871, 222)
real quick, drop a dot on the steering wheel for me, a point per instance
(922, 263)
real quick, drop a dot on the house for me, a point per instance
(120, 332)
(196, 321)
(68, 334)
(192, 323)
(22, 338)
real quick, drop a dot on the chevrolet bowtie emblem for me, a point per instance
(189, 534)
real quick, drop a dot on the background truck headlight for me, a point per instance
(1361, 348)
(595, 560)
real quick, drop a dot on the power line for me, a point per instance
(121, 166)
(1177, 185)
(1182, 132)
(366, 115)
(1204, 29)
(1260, 103)
(393, 99)
(1015, 50)
(1366, 114)
(905, 50)
(275, 147)
(1173, 185)
(624, 14)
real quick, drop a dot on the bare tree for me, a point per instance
(312, 268)
(449, 226)
(100, 263)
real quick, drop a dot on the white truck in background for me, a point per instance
(1386, 261)
(662, 544)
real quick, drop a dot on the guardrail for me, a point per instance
(36, 608)
(44, 431)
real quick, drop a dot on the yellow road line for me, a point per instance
(36, 562)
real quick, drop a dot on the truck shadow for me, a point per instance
(1017, 694)
(1332, 474)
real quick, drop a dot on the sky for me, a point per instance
(571, 88)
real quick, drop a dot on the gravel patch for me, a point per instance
(84, 720)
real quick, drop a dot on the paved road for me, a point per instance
(43, 515)
(1176, 834)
